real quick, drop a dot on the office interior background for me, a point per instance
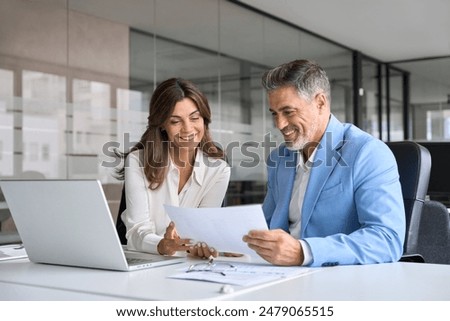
(77, 75)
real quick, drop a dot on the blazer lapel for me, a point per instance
(285, 182)
(324, 163)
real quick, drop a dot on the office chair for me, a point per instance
(434, 233)
(120, 225)
(414, 166)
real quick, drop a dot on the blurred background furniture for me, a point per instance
(8, 232)
(439, 185)
(414, 166)
(113, 193)
(434, 233)
(120, 225)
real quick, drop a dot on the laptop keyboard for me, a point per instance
(134, 260)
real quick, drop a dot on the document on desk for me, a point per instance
(12, 252)
(221, 228)
(244, 274)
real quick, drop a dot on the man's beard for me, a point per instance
(304, 139)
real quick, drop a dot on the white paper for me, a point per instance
(221, 228)
(244, 274)
(12, 251)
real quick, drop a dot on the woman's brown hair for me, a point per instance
(155, 142)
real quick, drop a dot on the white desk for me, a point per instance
(22, 280)
(20, 292)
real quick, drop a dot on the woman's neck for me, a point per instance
(183, 157)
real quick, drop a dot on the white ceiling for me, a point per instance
(388, 30)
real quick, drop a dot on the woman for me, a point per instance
(174, 163)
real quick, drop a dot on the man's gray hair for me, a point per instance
(305, 75)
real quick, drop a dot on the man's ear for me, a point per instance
(321, 100)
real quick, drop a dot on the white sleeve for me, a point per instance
(141, 229)
(307, 255)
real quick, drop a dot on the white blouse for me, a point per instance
(145, 217)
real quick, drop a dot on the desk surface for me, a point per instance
(23, 280)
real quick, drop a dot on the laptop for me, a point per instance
(68, 222)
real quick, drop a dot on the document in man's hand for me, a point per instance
(221, 228)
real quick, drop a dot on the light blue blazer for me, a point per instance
(353, 210)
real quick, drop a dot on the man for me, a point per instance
(334, 195)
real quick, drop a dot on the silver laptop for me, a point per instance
(68, 222)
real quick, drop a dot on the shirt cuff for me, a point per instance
(308, 259)
(150, 243)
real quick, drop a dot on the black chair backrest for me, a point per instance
(120, 226)
(414, 166)
(434, 233)
(435, 224)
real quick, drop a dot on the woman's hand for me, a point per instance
(172, 242)
(202, 250)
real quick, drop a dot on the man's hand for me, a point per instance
(275, 246)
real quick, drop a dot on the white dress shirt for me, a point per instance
(303, 171)
(145, 217)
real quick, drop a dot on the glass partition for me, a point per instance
(429, 97)
(370, 91)
(396, 104)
